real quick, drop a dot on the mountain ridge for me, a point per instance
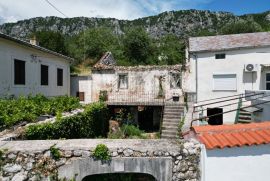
(182, 23)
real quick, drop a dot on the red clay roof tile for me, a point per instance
(233, 135)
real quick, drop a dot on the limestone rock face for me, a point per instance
(181, 23)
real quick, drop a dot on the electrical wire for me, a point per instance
(54, 7)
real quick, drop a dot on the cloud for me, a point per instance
(14, 10)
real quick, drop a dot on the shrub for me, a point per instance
(131, 130)
(126, 131)
(29, 108)
(55, 152)
(102, 152)
(93, 122)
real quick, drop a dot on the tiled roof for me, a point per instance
(7, 37)
(225, 42)
(107, 61)
(233, 135)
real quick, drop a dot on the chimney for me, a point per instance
(34, 41)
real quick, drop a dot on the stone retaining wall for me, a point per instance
(33, 160)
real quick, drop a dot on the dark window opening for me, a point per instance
(120, 177)
(19, 72)
(267, 81)
(59, 77)
(217, 119)
(44, 75)
(221, 56)
(123, 81)
(80, 95)
(175, 80)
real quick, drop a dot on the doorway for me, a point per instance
(145, 119)
(217, 119)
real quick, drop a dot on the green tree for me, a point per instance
(93, 43)
(51, 40)
(241, 27)
(138, 47)
(171, 50)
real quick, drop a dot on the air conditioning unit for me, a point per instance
(251, 67)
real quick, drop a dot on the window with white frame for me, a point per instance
(123, 81)
(224, 82)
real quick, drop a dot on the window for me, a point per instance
(224, 82)
(80, 95)
(175, 80)
(44, 75)
(59, 77)
(19, 72)
(221, 56)
(123, 81)
(267, 81)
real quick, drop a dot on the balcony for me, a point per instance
(135, 98)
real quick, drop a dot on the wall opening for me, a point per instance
(215, 120)
(120, 177)
(147, 118)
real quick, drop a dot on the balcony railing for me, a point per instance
(135, 98)
(263, 95)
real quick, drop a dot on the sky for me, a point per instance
(14, 10)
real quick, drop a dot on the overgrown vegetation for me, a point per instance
(16, 110)
(92, 123)
(55, 152)
(127, 131)
(102, 152)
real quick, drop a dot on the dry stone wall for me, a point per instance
(34, 160)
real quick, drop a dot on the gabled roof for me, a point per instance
(222, 136)
(227, 42)
(16, 40)
(107, 61)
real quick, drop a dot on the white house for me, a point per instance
(27, 68)
(227, 65)
(234, 152)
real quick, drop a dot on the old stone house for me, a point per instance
(27, 68)
(149, 92)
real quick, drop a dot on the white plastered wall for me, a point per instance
(10, 51)
(234, 63)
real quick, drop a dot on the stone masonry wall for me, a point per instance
(33, 160)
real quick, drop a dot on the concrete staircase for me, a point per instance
(171, 118)
(244, 117)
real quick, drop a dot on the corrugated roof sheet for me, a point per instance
(222, 136)
(225, 42)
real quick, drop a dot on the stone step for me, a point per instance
(244, 121)
(173, 112)
(172, 117)
(244, 117)
(169, 132)
(171, 120)
(244, 113)
(169, 128)
(174, 124)
(174, 108)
